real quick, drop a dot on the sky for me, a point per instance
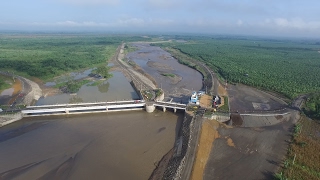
(296, 18)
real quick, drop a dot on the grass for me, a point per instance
(158, 92)
(128, 48)
(225, 107)
(168, 75)
(303, 158)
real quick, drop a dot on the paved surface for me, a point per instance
(247, 99)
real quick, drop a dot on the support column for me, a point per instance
(150, 107)
(164, 109)
(107, 108)
(67, 111)
(174, 110)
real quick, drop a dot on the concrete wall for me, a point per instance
(136, 89)
(161, 97)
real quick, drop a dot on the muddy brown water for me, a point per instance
(122, 145)
(191, 79)
(117, 145)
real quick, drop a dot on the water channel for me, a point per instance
(116, 145)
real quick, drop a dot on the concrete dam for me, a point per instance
(80, 108)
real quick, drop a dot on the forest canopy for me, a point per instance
(290, 67)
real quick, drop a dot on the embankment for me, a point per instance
(9, 118)
(179, 162)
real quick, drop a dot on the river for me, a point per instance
(114, 145)
(157, 62)
(124, 145)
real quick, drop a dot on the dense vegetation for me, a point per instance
(71, 86)
(290, 67)
(303, 156)
(103, 71)
(46, 56)
(312, 106)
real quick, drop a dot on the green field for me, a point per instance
(48, 55)
(290, 67)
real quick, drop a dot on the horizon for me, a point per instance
(233, 17)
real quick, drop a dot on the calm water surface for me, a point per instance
(122, 145)
(115, 88)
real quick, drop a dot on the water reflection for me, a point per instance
(103, 88)
(75, 99)
(115, 88)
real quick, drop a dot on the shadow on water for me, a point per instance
(17, 129)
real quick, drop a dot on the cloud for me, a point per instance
(294, 23)
(239, 22)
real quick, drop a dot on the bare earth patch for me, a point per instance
(222, 91)
(230, 142)
(208, 134)
(164, 57)
(175, 80)
(17, 86)
(159, 65)
(205, 101)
